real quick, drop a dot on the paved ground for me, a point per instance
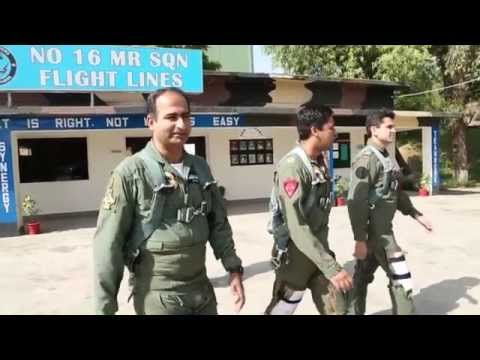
(51, 273)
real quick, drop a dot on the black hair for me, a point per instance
(376, 119)
(308, 116)
(152, 98)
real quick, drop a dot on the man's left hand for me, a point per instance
(236, 287)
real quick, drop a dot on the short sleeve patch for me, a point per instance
(112, 193)
(361, 172)
(290, 186)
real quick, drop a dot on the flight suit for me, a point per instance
(168, 272)
(304, 188)
(374, 196)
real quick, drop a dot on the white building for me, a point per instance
(63, 149)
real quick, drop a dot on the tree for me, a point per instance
(412, 65)
(460, 64)
(422, 67)
(207, 63)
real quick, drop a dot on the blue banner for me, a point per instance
(99, 68)
(331, 171)
(118, 121)
(8, 211)
(435, 157)
(83, 122)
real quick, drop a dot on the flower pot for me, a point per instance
(341, 201)
(33, 228)
(423, 192)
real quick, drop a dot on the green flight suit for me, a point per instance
(304, 194)
(371, 219)
(169, 272)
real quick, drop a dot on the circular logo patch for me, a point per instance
(8, 66)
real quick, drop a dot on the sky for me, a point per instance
(262, 63)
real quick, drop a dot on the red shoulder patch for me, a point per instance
(290, 186)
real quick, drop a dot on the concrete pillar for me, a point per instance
(427, 154)
(435, 133)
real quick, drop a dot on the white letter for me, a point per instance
(44, 76)
(183, 60)
(177, 80)
(94, 57)
(98, 77)
(155, 59)
(117, 59)
(169, 60)
(111, 78)
(152, 79)
(133, 58)
(81, 78)
(130, 80)
(164, 80)
(36, 56)
(54, 56)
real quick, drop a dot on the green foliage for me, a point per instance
(425, 181)
(453, 183)
(413, 65)
(29, 206)
(341, 187)
(422, 67)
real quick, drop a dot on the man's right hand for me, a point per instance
(361, 250)
(342, 281)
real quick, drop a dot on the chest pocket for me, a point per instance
(395, 182)
(201, 191)
(195, 191)
(145, 196)
(318, 203)
(387, 184)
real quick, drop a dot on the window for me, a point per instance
(341, 151)
(251, 152)
(52, 159)
(135, 144)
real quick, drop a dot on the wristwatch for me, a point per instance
(238, 269)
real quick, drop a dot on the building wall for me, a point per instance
(235, 58)
(107, 148)
(247, 182)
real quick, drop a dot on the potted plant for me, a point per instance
(424, 185)
(30, 209)
(341, 190)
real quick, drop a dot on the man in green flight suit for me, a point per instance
(303, 188)
(161, 207)
(374, 196)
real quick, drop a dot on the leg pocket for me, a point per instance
(158, 303)
(327, 300)
(204, 302)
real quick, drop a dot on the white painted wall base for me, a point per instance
(427, 154)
